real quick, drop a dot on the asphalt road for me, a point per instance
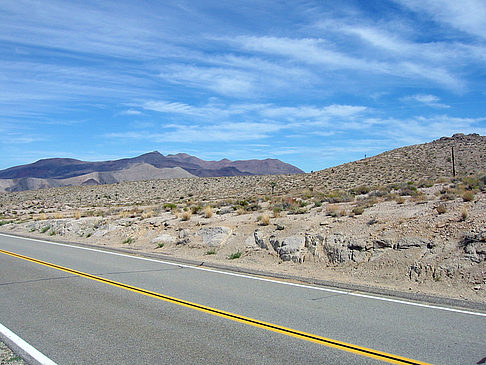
(77, 320)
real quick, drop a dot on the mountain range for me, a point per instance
(55, 172)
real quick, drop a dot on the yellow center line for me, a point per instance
(390, 358)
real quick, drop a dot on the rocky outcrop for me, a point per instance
(339, 249)
(164, 239)
(290, 248)
(259, 239)
(475, 246)
(214, 236)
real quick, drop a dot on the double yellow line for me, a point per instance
(393, 359)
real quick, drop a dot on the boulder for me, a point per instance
(164, 238)
(475, 246)
(259, 239)
(292, 249)
(313, 242)
(340, 248)
(214, 236)
(275, 242)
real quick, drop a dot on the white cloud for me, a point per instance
(304, 112)
(131, 112)
(318, 51)
(466, 15)
(223, 132)
(427, 99)
(225, 81)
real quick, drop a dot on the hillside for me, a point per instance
(55, 172)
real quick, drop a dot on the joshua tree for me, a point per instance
(273, 184)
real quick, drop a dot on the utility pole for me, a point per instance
(453, 163)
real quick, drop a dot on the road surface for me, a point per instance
(118, 309)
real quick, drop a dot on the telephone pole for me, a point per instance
(453, 163)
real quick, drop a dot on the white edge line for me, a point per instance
(336, 291)
(25, 347)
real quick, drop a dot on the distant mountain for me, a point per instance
(54, 172)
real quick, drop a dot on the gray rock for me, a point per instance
(164, 238)
(214, 236)
(292, 249)
(275, 242)
(259, 239)
(382, 243)
(475, 246)
(313, 242)
(340, 249)
(280, 227)
(409, 242)
(226, 210)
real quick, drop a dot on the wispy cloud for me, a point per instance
(224, 132)
(465, 15)
(427, 99)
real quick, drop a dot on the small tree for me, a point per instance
(273, 184)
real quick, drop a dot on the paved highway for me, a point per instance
(75, 318)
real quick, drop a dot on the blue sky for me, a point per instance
(313, 83)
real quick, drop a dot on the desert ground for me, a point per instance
(426, 237)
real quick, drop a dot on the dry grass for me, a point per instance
(186, 215)
(441, 208)
(58, 215)
(42, 217)
(468, 196)
(464, 213)
(208, 211)
(148, 214)
(77, 214)
(265, 219)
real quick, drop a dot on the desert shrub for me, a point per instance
(448, 193)
(128, 241)
(339, 196)
(265, 220)
(58, 215)
(148, 214)
(441, 208)
(240, 210)
(420, 197)
(468, 196)
(360, 190)
(276, 211)
(45, 229)
(408, 189)
(186, 215)
(42, 216)
(235, 255)
(358, 210)
(208, 211)
(332, 210)
(400, 199)
(470, 182)
(464, 213)
(77, 214)
(211, 252)
(425, 184)
(195, 209)
(169, 206)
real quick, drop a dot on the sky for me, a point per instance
(313, 83)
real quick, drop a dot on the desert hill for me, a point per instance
(428, 161)
(55, 172)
